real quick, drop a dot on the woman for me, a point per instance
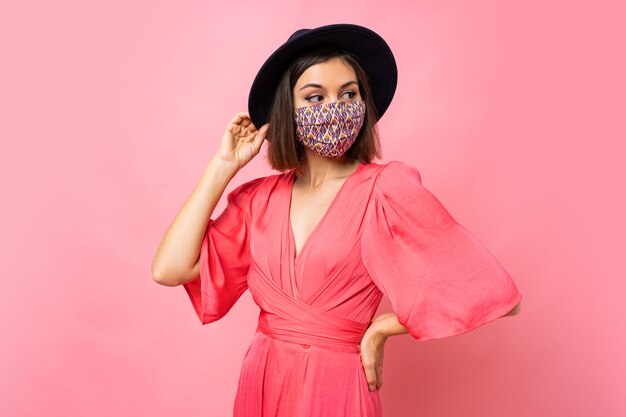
(319, 244)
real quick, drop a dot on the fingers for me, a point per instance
(379, 375)
(243, 119)
(370, 375)
(260, 137)
(239, 117)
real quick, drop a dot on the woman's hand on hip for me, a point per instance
(372, 353)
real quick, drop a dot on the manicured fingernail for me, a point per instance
(372, 387)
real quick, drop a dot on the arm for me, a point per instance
(387, 324)
(373, 344)
(176, 259)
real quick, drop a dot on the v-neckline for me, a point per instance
(293, 255)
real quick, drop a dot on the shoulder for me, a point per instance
(248, 187)
(399, 187)
(397, 178)
(256, 189)
(244, 192)
(399, 170)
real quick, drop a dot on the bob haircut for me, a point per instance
(284, 150)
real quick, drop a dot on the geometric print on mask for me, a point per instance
(330, 129)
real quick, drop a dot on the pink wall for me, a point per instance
(514, 116)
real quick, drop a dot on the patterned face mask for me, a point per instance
(330, 129)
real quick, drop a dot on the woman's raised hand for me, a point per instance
(241, 141)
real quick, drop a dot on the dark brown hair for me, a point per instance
(284, 151)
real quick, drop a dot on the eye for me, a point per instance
(309, 98)
(353, 94)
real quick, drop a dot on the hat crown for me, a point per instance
(298, 33)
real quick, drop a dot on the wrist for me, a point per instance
(378, 331)
(223, 165)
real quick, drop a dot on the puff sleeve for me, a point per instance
(440, 279)
(224, 257)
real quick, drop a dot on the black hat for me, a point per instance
(369, 48)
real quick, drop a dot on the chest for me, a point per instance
(296, 233)
(308, 209)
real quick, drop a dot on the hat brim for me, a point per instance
(370, 49)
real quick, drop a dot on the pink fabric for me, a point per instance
(398, 240)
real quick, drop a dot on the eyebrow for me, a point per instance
(319, 86)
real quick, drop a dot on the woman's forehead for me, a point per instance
(332, 73)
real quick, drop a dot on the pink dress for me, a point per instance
(383, 234)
